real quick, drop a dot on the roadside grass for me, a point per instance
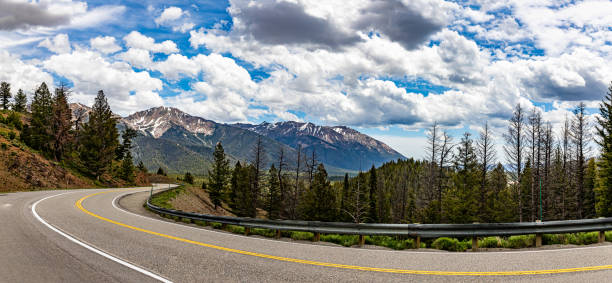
(163, 199)
(394, 242)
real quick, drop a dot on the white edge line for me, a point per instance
(369, 250)
(97, 251)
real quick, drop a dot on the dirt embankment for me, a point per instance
(196, 200)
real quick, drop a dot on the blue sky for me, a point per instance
(387, 68)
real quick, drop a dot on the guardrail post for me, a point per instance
(278, 234)
(361, 240)
(538, 239)
(417, 242)
(602, 237)
(474, 243)
(317, 237)
(247, 230)
(223, 226)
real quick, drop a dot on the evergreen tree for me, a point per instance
(127, 137)
(188, 178)
(219, 175)
(273, 203)
(515, 145)
(61, 123)
(21, 100)
(373, 212)
(345, 194)
(161, 172)
(127, 167)
(141, 167)
(233, 192)
(5, 95)
(39, 132)
(580, 137)
(500, 197)
(604, 140)
(590, 178)
(462, 200)
(320, 199)
(99, 138)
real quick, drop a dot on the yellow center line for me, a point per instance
(79, 204)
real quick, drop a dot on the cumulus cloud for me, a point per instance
(20, 74)
(403, 23)
(137, 40)
(280, 22)
(168, 15)
(104, 44)
(126, 89)
(175, 18)
(58, 44)
(23, 15)
(138, 58)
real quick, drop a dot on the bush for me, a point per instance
(449, 244)
(521, 241)
(14, 120)
(609, 236)
(344, 240)
(4, 146)
(12, 135)
(304, 236)
(491, 242)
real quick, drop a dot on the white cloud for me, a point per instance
(20, 74)
(138, 58)
(126, 89)
(104, 44)
(137, 40)
(58, 44)
(168, 15)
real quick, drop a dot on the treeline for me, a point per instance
(549, 177)
(87, 142)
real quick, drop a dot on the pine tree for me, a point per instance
(188, 178)
(273, 203)
(127, 167)
(462, 200)
(141, 167)
(345, 194)
(514, 148)
(39, 132)
(580, 137)
(61, 123)
(219, 175)
(21, 100)
(233, 192)
(161, 172)
(5, 95)
(373, 212)
(604, 140)
(320, 199)
(99, 138)
(127, 137)
(590, 178)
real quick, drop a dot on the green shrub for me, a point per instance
(216, 225)
(584, 238)
(263, 232)
(521, 241)
(14, 120)
(4, 146)
(344, 240)
(305, 236)
(235, 229)
(449, 244)
(491, 242)
(12, 135)
(609, 236)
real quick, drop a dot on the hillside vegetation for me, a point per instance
(45, 148)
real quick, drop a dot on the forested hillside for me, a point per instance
(551, 177)
(46, 147)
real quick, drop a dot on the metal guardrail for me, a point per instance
(412, 230)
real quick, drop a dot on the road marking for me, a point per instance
(445, 253)
(91, 248)
(79, 204)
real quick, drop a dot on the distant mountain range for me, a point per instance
(179, 142)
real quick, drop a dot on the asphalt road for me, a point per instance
(102, 241)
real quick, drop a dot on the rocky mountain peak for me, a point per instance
(156, 121)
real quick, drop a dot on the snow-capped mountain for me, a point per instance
(339, 146)
(179, 142)
(156, 121)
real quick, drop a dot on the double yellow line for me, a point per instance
(79, 205)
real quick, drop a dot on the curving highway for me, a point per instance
(106, 236)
